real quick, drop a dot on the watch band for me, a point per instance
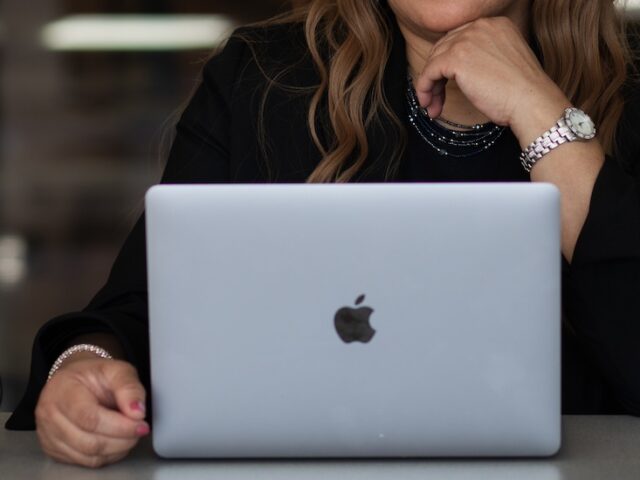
(560, 133)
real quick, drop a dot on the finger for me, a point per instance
(438, 70)
(65, 454)
(432, 84)
(429, 87)
(447, 40)
(459, 29)
(93, 419)
(92, 445)
(61, 433)
(129, 394)
(435, 107)
(84, 411)
(45, 440)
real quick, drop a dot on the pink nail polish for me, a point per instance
(138, 406)
(142, 430)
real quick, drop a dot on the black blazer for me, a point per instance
(217, 141)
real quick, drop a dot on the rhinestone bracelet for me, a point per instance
(83, 347)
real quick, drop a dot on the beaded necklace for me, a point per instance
(467, 142)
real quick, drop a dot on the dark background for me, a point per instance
(80, 136)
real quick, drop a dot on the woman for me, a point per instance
(331, 93)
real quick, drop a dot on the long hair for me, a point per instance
(585, 51)
(582, 43)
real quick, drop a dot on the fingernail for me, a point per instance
(138, 406)
(142, 430)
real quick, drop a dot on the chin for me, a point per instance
(445, 18)
(442, 16)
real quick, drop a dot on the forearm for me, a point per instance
(104, 340)
(573, 168)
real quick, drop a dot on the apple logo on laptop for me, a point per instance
(352, 324)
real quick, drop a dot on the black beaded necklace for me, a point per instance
(467, 142)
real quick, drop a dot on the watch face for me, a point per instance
(581, 124)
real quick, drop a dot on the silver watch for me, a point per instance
(574, 125)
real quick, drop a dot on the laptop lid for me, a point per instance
(354, 320)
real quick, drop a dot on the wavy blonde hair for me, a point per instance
(583, 47)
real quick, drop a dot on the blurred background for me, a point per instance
(87, 88)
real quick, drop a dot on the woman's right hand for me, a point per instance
(91, 412)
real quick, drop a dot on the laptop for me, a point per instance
(360, 320)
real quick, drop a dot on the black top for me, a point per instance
(217, 141)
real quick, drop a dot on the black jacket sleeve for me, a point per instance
(602, 285)
(200, 154)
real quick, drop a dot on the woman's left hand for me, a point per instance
(497, 71)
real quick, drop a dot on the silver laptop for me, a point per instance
(354, 320)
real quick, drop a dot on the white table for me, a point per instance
(594, 447)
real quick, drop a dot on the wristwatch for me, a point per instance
(574, 125)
